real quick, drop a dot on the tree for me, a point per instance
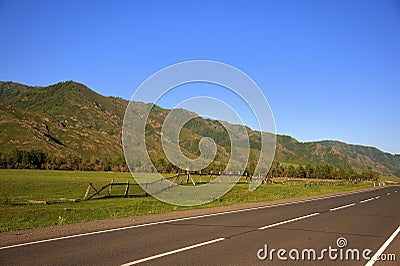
(301, 172)
(310, 171)
(290, 171)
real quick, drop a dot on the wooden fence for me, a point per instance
(109, 186)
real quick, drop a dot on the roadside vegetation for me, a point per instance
(20, 187)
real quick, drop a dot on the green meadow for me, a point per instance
(18, 187)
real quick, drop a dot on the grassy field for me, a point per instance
(17, 187)
(390, 178)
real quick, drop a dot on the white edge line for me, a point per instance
(383, 247)
(185, 218)
(342, 207)
(366, 200)
(289, 221)
(173, 252)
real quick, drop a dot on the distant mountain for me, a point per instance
(69, 119)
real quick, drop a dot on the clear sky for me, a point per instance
(329, 69)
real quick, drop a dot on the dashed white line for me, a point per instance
(366, 200)
(377, 197)
(382, 248)
(173, 252)
(213, 241)
(342, 207)
(289, 221)
(387, 194)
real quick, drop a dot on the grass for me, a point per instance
(19, 186)
(390, 178)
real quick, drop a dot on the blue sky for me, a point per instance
(329, 69)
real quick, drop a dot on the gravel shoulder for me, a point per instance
(30, 235)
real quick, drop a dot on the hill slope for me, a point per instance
(68, 119)
(65, 118)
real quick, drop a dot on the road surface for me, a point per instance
(367, 221)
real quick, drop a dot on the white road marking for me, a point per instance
(366, 200)
(388, 194)
(173, 252)
(184, 219)
(289, 221)
(342, 207)
(377, 197)
(382, 248)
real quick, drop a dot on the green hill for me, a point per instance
(72, 124)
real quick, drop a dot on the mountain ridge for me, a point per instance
(70, 119)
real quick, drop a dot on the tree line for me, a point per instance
(38, 159)
(322, 171)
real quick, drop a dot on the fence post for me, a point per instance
(145, 187)
(110, 188)
(191, 179)
(126, 189)
(88, 189)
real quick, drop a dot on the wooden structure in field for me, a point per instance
(109, 186)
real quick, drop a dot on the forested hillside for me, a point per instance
(69, 126)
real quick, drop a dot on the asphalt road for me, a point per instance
(364, 221)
